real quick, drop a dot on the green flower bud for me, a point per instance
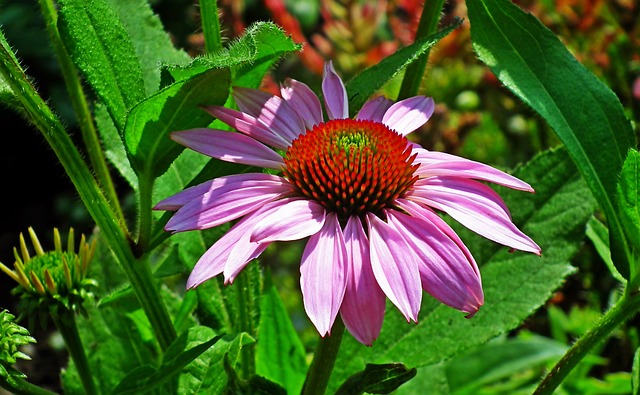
(51, 280)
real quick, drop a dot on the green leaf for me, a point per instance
(629, 200)
(186, 348)
(584, 113)
(101, 49)
(466, 373)
(377, 379)
(515, 284)
(280, 354)
(207, 375)
(113, 145)
(176, 107)
(249, 57)
(370, 80)
(152, 44)
(598, 233)
(256, 385)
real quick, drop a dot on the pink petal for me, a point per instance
(409, 114)
(274, 112)
(374, 109)
(303, 100)
(227, 203)
(178, 200)
(213, 262)
(475, 206)
(448, 271)
(443, 164)
(229, 147)
(250, 126)
(335, 95)
(363, 306)
(395, 266)
(323, 274)
(292, 221)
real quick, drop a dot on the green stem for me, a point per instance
(323, 361)
(114, 231)
(19, 386)
(210, 25)
(81, 107)
(427, 25)
(628, 305)
(145, 218)
(66, 324)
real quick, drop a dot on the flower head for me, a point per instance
(54, 279)
(363, 194)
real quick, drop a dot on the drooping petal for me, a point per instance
(446, 271)
(178, 200)
(293, 221)
(374, 109)
(335, 95)
(323, 274)
(250, 126)
(213, 262)
(409, 114)
(229, 147)
(226, 203)
(475, 206)
(274, 112)
(363, 306)
(303, 100)
(395, 266)
(443, 164)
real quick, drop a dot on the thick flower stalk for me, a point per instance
(365, 196)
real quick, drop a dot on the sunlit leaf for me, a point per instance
(585, 114)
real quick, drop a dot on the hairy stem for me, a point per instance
(628, 305)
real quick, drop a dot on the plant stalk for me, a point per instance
(210, 26)
(66, 324)
(428, 24)
(323, 361)
(19, 386)
(628, 305)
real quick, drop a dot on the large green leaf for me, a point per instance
(100, 47)
(249, 57)
(515, 284)
(151, 42)
(206, 375)
(585, 114)
(184, 350)
(368, 81)
(176, 107)
(629, 200)
(280, 355)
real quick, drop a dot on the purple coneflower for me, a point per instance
(359, 189)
